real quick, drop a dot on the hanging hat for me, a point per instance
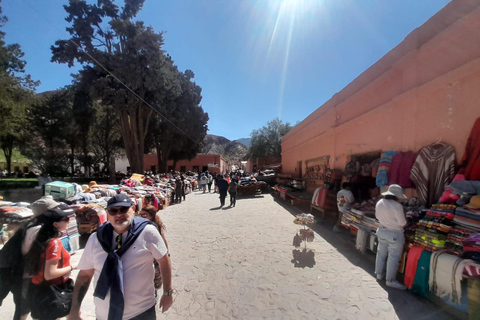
(474, 202)
(395, 190)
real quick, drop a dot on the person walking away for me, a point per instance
(184, 188)
(345, 199)
(216, 177)
(203, 182)
(150, 213)
(49, 262)
(389, 213)
(178, 190)
(210, 181)
(222, 185)
(119, 257)
(232, 189)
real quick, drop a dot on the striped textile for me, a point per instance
(434, 168)
(384, 168)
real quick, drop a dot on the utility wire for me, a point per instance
(110, 73)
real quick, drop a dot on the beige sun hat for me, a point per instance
(395, 190)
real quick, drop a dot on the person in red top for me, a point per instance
(48, 254)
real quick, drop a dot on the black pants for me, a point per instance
(223, 195)
(178, 196)
(233, 198)
(209, 187)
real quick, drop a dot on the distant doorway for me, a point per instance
(299, 169)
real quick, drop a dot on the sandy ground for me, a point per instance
(238, 263)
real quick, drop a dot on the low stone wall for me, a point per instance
(25, 195)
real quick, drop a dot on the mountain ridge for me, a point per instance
(232, 150)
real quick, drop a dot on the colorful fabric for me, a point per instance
(420, 285)
(433, 170)
(384, 168)
(402, 164)
(471, 159)
(412, 261)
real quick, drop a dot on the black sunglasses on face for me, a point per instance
(114, 211)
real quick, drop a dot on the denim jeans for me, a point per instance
(390, 243)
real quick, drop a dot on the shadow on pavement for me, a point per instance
(303, 258)
(407, 305)
(216, 208)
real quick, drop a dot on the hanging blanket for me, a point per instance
(445, 276)
(384, 168)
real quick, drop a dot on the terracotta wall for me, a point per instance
(425, 90)
(201, 160)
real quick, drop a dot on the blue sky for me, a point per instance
(255, 60)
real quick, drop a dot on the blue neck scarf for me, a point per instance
(111, 276)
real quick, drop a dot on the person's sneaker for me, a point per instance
(396, 285)
(380, 277)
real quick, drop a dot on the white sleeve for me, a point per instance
(86, 262)
(154, 242)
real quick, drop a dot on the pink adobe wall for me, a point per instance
(200, 160)
(424, 90)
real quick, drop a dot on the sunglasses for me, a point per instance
(115, 211)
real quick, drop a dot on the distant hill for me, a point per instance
(245, 141)
(233, 150)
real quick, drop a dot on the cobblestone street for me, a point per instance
(237, 263)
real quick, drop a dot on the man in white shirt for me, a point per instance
(345, 199)
(123, 276)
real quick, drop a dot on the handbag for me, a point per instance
(51, 301)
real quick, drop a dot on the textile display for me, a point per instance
(455, 238)
(422, 276)
(412, 262)
(433, 170)
(470, 162)
(446, 275)
(471, 247)
(402, 164)
(384, 168)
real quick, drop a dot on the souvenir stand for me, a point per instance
(325, 183)
(13, 216)
(291, 190)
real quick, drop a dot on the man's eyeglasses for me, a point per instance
(114, 211)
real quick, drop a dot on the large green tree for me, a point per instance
(123, 63)
(50, 141)
(106, 138)
(183, 138)
(16, 89)
(267, 141)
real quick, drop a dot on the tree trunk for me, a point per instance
(7, 147)
(111, 168)
(72, 160)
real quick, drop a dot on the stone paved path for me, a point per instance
(236, 263)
